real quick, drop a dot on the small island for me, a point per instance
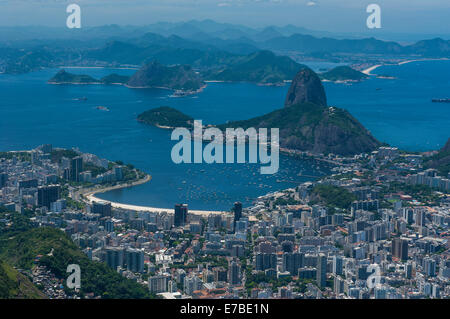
(343, 74)
(166, 117)
(64, 77)
(182, 79)
(179, 77)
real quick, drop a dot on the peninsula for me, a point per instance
(307, 123)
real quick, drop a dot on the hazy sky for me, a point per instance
(411, 16)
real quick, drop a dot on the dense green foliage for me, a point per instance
(343, 73)
(166, 116)
(57, 154)
(131, 174)
(169, 51)
(14, 285)
(332, 196)
(15, 223)
(128, 170)
(94, 169)
(254, 279)
(422, 193)
(27, 243)
(22, 156)
(22, 61)
(441, 160)
(115, 79)
(63, 77)
(286, 201)
(260, 67)
(310, 127)
(156, 75)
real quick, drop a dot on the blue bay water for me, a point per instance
(400, 111)
(33, 112)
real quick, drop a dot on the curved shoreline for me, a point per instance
(88, 196)
(374, 67)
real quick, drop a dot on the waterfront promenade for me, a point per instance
(88, 196)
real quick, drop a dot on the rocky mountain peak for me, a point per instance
(306, 88)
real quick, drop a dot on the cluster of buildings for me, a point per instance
(384, 245)
(35, 178)
(49, 284)
(430, 178)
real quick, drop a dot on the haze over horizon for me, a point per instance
(400, 16)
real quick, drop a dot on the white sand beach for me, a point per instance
(373, 68)
(90, 197)
(420, 60)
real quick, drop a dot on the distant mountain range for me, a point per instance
(262, 67)
(194, 29)
(201, 52)
(201, 44)
(172, 50)
(309, 44)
